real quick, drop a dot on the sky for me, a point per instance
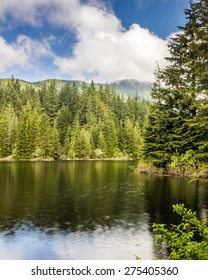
(99, 40)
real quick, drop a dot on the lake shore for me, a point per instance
(201, 172)
(12, 159)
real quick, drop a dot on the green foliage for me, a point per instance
(149, 168)
(50, 101)
(184, 164)
(186, 241)
(43, 136)
(178, 116)
(132, 138)
(48, 123)
(64, 118)
(8, 127)
(26, 133)
(54, 148)
(101, 151)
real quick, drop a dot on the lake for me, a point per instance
(87, 209)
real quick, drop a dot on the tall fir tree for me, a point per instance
(26, 133)
(50, 101)
(64, 118)
(8, 127)
(44, 135)
(132, 139)
(180, 93)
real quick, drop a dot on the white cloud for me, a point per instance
(24, 53)
(11, 55)
(106, 57)
(33, 48)
(31, 12)
(104, 50)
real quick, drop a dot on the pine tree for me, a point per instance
(71, 138)
(180, 93)
(26, 133)
(101, 146)
(50, 101)
(8, 126)
(132, 139)
(14, 94)
(83, 145)
(157, 128)
(78, 141)
(55, 147)
(64, 118)
(68, 97)
(2, 95)
(44, 135)
(199, 126)
(110, 133)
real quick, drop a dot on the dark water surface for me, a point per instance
(86, 209)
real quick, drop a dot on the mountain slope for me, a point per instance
(124, 87)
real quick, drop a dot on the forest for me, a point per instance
(70, 123)
(169, 134)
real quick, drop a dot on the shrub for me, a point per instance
(186, 241)
(145, 167)
(183, 165)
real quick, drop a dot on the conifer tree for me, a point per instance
(180, 93)
(83, 146)
(44, 135)
(8, 126)
(55, 147)
(111, 136)
(13, 93)
(68, 97)
(50, 100)
(64, 118)
(132, 139)
(102, 146)
(26, 133)
(71, 138)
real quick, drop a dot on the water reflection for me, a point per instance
(86, 210)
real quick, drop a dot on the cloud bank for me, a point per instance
(103, 51)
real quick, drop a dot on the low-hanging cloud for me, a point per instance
(104, 50)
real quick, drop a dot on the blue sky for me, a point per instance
(103, 40)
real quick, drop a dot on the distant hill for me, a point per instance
(127, 87)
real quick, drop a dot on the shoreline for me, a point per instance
(142, 167)
(10, 159)
(194, 174)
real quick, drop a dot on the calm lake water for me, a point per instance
(86, 209)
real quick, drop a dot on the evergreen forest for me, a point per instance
(176, 134)
(70, 123)
(169, 133)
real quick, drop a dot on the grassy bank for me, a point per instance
(174, 169)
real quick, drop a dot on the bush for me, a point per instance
(183, 165)
(186, 241)
(145, 167)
